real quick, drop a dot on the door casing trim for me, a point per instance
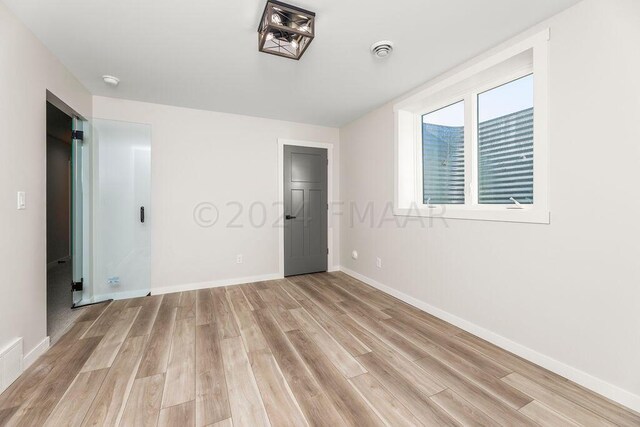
(332, 261)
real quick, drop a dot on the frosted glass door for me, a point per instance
(122, 195)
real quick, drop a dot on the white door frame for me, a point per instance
(331, 261)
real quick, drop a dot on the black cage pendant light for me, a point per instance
(285, 30)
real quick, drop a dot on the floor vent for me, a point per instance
(11, 358)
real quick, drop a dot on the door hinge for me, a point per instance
(327, 251)
(77, 286)
(77, 134)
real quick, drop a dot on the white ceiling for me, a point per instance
(203, 53)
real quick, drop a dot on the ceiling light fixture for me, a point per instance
(382, 49)
(285, 30)
(111, 80)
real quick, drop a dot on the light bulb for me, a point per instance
(275, 18)
(269, 36)
(294, 44)
(304, 28)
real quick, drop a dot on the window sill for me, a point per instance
(533, 215)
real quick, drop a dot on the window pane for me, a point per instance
(505, 143)
(443, 155)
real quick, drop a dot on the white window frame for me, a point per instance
(461, 86)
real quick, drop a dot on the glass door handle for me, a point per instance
(141, 213)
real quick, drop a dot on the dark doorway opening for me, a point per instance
(59, 298)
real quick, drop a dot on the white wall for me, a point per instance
(27, 70)
(568, 291)
(202, 156)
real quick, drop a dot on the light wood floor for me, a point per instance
(321, 349)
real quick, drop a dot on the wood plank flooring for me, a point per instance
(321, 349)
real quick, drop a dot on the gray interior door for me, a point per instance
(305, 209)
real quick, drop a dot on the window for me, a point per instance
(443, 155)
(505, 143)
(474, 145)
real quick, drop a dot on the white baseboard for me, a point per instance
(11, 363)
(114, 295)
(595, 384)
(223, 282)
(36, 352)
(189, 287)
(214, 284)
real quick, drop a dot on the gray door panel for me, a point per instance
(305, 202)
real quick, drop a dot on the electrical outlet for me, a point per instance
(22, 200)
(239, 259)
(378, 262)
(113, 281)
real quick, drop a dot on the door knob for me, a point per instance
(290, 217)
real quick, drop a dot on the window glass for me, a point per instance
(443, 155)
(505, 143)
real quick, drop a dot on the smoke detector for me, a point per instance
(111, 80)
(382, 49)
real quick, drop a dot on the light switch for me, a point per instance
(22, 200)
